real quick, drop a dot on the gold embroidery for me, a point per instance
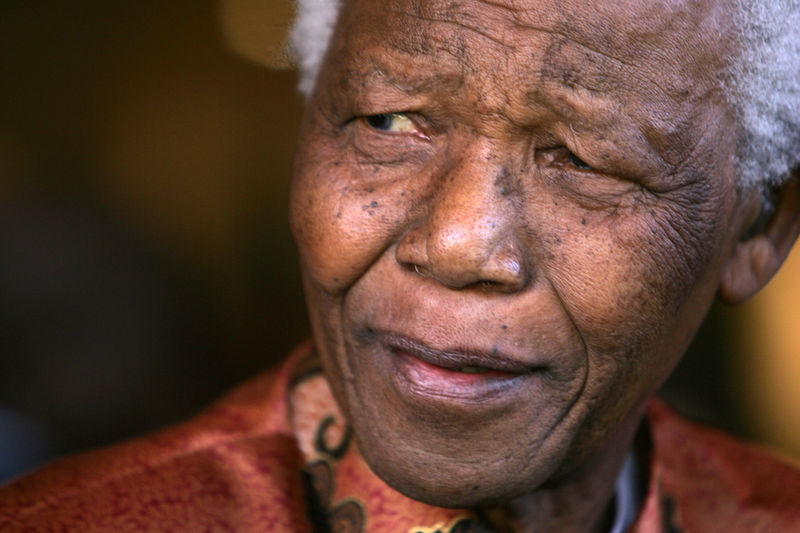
(440, 527)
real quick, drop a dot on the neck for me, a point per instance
(577, 502)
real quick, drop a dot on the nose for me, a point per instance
(468, 234)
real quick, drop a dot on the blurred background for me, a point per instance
(145, 260)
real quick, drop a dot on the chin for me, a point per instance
(475, 482)
(450, 488)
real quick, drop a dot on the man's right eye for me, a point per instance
(392, 123)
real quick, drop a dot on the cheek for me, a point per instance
(341, 222)
(631, 280)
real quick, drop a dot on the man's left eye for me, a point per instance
(391, 122)
(578, 162)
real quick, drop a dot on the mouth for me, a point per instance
(471, 376)
(464, 361)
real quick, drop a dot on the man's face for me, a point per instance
(512, 217)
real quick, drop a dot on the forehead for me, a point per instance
(661, 46)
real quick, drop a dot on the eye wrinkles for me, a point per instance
(397, 145)
(402, 102)
(406, 127)
(397, 123)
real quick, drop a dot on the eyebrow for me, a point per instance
(409, 81)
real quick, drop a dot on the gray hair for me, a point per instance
(765, 90)
(310, 36)
(764, 84)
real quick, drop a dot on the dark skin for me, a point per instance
(512, 218)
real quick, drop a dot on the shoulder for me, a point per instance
(233, 467)
(709, 481)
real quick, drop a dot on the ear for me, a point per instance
(759, 257)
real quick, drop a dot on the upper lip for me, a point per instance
(455, 359)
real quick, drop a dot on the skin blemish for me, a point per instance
(373, 204)
(583, 221)
(503, 182)
(368, 335)
(504, 327)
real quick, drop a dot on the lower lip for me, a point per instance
(420, 378)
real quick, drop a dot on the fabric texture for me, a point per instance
(276, 455)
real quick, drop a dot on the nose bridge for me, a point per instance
(468, 233)
(467, 214)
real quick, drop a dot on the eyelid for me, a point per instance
(562, 156)
(418, 130)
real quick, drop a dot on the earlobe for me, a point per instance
(757, 258)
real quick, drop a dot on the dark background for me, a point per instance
(145, 260)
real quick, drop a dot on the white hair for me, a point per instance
(310, 36)
(764, 84)
(765, 89)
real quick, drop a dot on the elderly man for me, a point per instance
(512, 217)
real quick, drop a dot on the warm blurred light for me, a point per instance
(770, 372)
(258, 29)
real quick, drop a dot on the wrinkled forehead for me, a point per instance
(601, 46)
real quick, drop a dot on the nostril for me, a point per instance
(414, 268)
(487, 285)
